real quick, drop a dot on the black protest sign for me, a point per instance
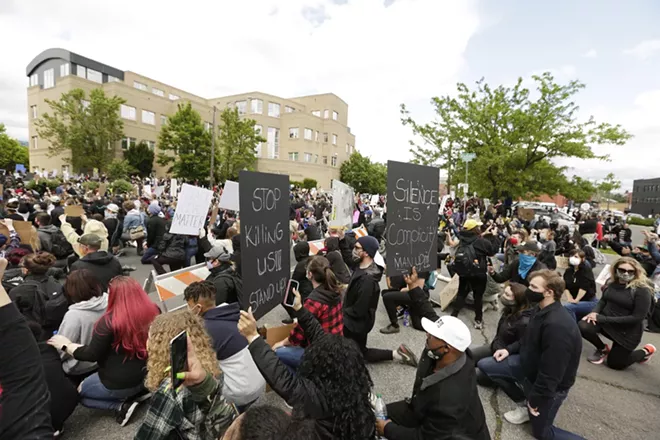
(412, 217)
(265, 242)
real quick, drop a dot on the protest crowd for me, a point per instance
(76, 329)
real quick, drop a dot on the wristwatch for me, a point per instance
(63, 348)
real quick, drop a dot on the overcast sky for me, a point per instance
(374, 54)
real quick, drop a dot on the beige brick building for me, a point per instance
(306, 136)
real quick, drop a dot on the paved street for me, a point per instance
(603, 404)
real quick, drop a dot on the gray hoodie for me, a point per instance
(78, 326)
(46, 237)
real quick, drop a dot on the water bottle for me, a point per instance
(380, 409)
(406, 318)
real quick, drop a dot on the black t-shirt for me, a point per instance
(397, 282)
(583, 279)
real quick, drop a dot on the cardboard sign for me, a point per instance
(103, 188)
(74, 211)
(412, 217)
(24, 230)
(343, 203)
(214, 216)
(230, 199)
(265, 256)
(526, 214)
(191, 210)
(449, 293)
(2, 191)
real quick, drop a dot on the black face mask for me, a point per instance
(436, 354)
(533, 297)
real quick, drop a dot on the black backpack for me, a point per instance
(235, 280)
(548, 258)
(466, 262)
(43, 302)
(61, 248)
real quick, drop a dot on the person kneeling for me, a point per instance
(415, 297)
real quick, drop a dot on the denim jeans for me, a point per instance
(93, 394)
(148, 255)
(542, 425)
(507, 374)
(291, 356)
(581, 309)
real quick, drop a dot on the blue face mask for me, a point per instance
(525, 263)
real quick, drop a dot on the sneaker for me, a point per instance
(650, 351)
(145, 395)
(408, 357)
(390, 329)
(599, 356)
(125, 411)
(58, 434)
(518, 416)
(478, 325)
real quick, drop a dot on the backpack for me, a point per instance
(466, 262)
(43, 302)
(548, 258)
(61, 248)
(236, 281)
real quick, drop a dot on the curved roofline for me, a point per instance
(63, 54)
(48, 54)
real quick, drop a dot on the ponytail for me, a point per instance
(322, 273)
(331, 282)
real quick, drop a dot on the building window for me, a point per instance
(273, 139)
(334, 161)
(316, 158)
(256, 106)
(293, 133)
(49, 78)
(293, 156)
(316, 135)
(139, 86)
(127, 112)
(95, 76)
(33, 111)
(273, 110)
(242, 107)
(308, 134)
(128, 142)
(112, 79)
(65, 69)
(317, 113)
(34, 79)
(325, 160)
(81, 71)
(35, 142)
(173, 97)
(334, 139)
(288, 109)
(258, 129)
(148, 117)
(325, 137)
(163, 120)
(157, 92)
(326, 114)
(335, 116)
(347, 148)
(308, 157)
(151, 145)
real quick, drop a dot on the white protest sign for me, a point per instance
(173, 188)
(374, 200)
(146, 190)
(229, 199)
(442, 204)
(343, 202)
(604, 275)
(191, 210)
(159, 190)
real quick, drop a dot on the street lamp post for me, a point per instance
(467, 158)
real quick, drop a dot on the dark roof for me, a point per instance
(56, 53)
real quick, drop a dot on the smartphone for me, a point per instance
(178, 357)
(290, 298)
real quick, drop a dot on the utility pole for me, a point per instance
(211, 179)
(467, 158)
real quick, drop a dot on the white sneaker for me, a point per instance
(518, 416)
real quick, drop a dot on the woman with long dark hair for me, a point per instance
(119, 346)
(332, 386)
(324, 303)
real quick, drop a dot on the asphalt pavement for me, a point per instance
(603, 405)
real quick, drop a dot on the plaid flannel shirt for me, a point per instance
(331, 319)
(196, 413)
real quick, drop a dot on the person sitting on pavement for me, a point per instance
(333, 254)
(228, 285)
(520, 269)
(301, 253)
(171, 252)
(113, 225)
(91, 227)
(197, 409)
(118, 346)
(414, 297)
(134, 220)
(243, 383)
(619, 316)
(104, 265)
(445, 402)
(332, 386)
(88, 304)
(324, 303)
(361, 302)
(510, 330)
(580, 291)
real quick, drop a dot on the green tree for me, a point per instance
(121, 186)
(12, 153)
(607, 186)
(578, 189)
(185, 145)
(84, 130)
(516, 134)
(309, 183)
(141, 158)
(237, 144)
(363, 175)
(120, 169)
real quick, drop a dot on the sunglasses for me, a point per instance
(626, 271)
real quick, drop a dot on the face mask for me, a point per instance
(436, 354)
(506, 302)
(526, 261)
(209, 265)
(533, 297)
(575, 261)
(625, 277)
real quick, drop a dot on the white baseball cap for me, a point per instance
(451, 330)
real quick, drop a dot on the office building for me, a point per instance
(306, 137)
(646, 197)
